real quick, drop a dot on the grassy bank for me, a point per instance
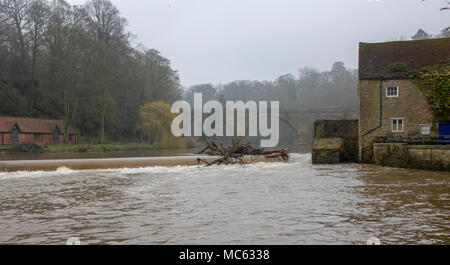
(7, 147)
(80, 148)
(90, 146)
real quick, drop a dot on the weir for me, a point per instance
(104, 163)
(110, 163)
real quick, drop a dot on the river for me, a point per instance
(293, 203)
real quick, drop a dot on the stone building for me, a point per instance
(16, 130)
(389, 103)
(335, 141)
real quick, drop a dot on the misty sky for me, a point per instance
(218, 41)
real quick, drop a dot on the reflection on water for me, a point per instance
(294, 203)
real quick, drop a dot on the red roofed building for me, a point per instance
(15, 130)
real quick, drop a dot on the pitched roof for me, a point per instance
(31, 125)
(392, 60)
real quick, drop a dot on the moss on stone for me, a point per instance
(400, 155)
(319, 129)
(334, 143)
(398, 67)
(381, 156)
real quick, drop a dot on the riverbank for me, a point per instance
(83, 148)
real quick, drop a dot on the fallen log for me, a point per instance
(273, 155)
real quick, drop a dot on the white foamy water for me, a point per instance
(33, 174)
(296, 159)
(265, 203)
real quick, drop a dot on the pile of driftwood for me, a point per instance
(236, 153)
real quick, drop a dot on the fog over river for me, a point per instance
(293, 203)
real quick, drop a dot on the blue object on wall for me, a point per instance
(444, 133)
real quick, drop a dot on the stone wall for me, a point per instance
(430, 157)
(345, 129)
(326, 156)
(411, 105)
(328, 150)
(335, 141)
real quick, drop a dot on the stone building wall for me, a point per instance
(335, 141)
(411, 105)
(346, 129)
(430, 157)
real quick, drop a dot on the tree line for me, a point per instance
(310, 89)
(78, 63)
(423, 35)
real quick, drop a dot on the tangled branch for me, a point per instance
(236, 153)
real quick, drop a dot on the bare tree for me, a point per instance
(3, 20)
(105, 21)
(77, 63)
(446, 7)
(37, 13)
(15, 12)
(108, 27)
(70, 57)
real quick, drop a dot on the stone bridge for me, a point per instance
(296, 125)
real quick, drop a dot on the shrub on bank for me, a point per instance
(29, 148)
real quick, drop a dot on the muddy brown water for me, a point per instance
(271, 203)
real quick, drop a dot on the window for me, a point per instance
(37, 137)
(392, 91)
(398, 124)
(425, 129)
(14, 135)
(70, 137)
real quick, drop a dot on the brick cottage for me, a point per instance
(15, 130)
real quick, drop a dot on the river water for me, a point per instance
(294, 203)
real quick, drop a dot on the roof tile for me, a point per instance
(392, 60)
(31, 125)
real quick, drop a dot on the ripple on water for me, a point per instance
(272, 203)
